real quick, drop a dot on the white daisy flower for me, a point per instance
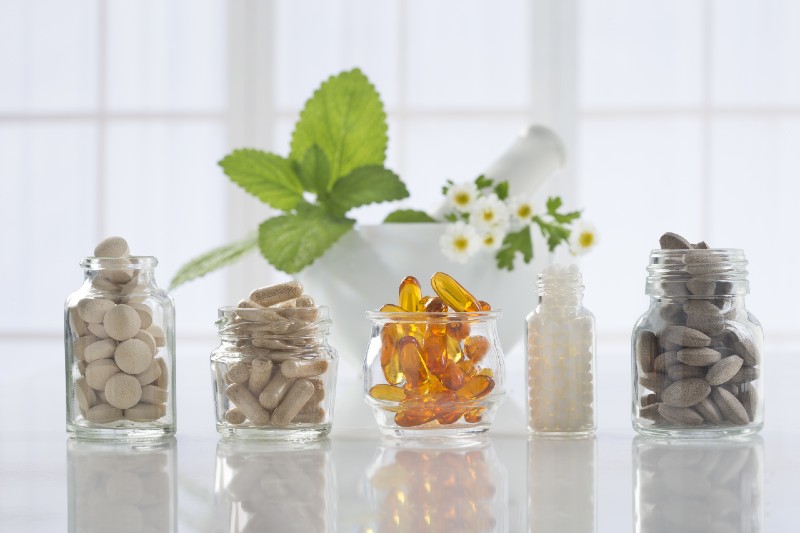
(489, 213)
(521, 209)
(460, 241)
(583, 238)
(492, 240)
(462, 196)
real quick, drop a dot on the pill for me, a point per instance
(275, 390)
(103, 284)
(260, 314)
(238, 373)
(655, 382)
(275, 294)
(665, 360)
(682, 371)
(701, 287)
(76, 323)
(270, 343)
(646, 348)
(304, 301)
(80, 344)
(454, 294)
(260, 373)
(122, 322)
(98, 331)
(698, 356)
(145, 314)
(300, 392)
(708, 324)
(680, 415)
(673, 241)
(123, 391)
(98, 372)
(684, 336)
(288, 304)
(103, 413)
(152, 373)
(724, 370)
(303, 368)
(119, 276)
(148, 339)
(314, 415)
(112, 247)
(82, 368)
(708, 410)
(477, 387)
(749, 400)
(154, 394)
(409, 293)
(648, 399)
(742, 343)
(93, 310)
(85, 395)
(163, 380)
(319, 390)
(247, 304)
(235, 416)
(158, 335)
(650, 412)
(744, 375)
(412, 362)
(102, 349)
(387, 393)
(247, 404)
(144, 412)
(133, 356)
(686, 392)
(700, 246)
(730, 407)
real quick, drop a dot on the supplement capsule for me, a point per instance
(241, 397)
(391, 308)
(485, 306)
(387, 393)
(476, 347)
(303, 368)
(410, 293)
(390, 359)
(423, 303)
(436, 305)
(411, 361)
(452, 377)
(458, 330)
(451, 416)
(414, 417)
(474, 415)
(454, 294)
(454, 351)
(477, 387)
(435, 350)
(260, 373)
(295, 399)
(275, 390)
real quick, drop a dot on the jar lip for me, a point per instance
(233, 308)
(734, 252)
(133, 262)
(422, 316)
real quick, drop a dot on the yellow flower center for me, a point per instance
(487, 216)
(524, 211)
(488, 240)
(461, 243)
(462, 198)
(586, 239)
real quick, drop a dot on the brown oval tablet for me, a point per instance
(686, 337)
(112, 247)
(682, 371)
(680, 415)
(654, 382)
(122, 322)
(698, 356)
(730, 407)
(708, 410)
(686, 392)
(646, 348)
(673, 241)
(664, 361)
(723, 370)
(745, 375)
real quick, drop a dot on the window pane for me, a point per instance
(48, 55)
(167, 56)
(317, 39)
(635, 54)
(464, 54)
(755, 189)
(167, 195)
(48, 217)
(757, 52)
(638, 178)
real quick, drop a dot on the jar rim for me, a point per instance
(422, 316)
(129, 262)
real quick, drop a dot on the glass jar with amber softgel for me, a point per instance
(434, 365)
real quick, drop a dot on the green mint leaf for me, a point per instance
(501, 190)
(513, 243)
(345, 118)
(553, 203)
(451, 217)
(408, 215)
(567, 218)
(268, 177)
(366, 185)
(292, 242)
(315, 171)
(212, 260)
(482, 182)
(446, 186)
(554, 233)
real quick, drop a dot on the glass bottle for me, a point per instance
(274, 379)
(560, 356)
(119, 336)
(697, 350)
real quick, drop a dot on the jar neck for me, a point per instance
(712, 273)
(308, 324)
(124, 274)
(563, 290)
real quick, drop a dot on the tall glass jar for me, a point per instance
(119, 336)
(560, 363)
(434, 374)
(274, 373)
(697, 351)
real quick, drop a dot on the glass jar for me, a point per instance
(698, 485)
(274, 486)
(434, 374)
(122, 487)
(274, 373)
(560, 336)
(697, 351)
(119, 337)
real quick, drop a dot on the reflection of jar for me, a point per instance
(561, 485)
(119, 335)
(432, 488)
(697, 351)
(434, 373)
(265, 486)
(274, 377)
(698, 486)
(122, 487)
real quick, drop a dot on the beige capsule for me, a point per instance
(235, 416)
(303, 368)
(102, 349)
(319, 390)
(238, 373)
(133, 356)
(76, 323)
(301, 391)
(145, 314)
(123, 391)
(84, 394)
(148, 339)
(98, 372)
(151, 374)
(158, 334)
(247, 404)
(247, 304)
(154, 394)
(103, 413)
(275, 390)
(145, 412)
(275, 294)
(260, 373)
(93, 310)
(80, 344)
(257, 314)
(122, 322)
(114, 246)
(314, 415)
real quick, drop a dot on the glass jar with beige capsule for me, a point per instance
(274, 372)
(119, 334)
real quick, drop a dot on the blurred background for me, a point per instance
(680, 115)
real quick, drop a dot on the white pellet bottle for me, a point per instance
(560, 340)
